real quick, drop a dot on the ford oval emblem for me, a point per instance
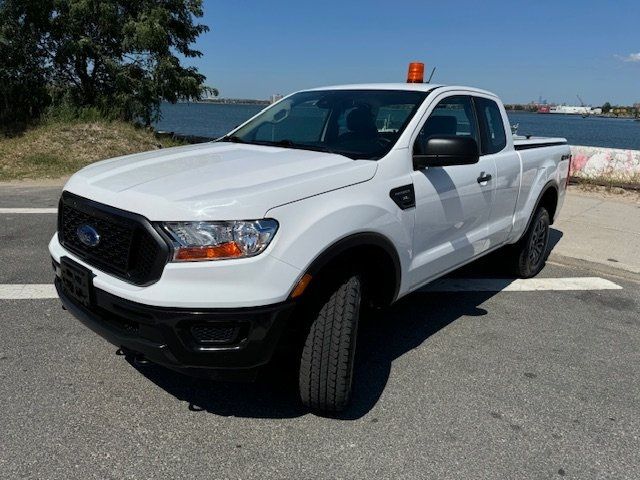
(88, 235)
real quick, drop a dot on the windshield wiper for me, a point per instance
(319, 148)
(287, 143)
(284, 143)
(231, 138)
(300, 146)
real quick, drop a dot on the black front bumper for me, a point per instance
(226, 344)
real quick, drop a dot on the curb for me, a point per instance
(596, 267)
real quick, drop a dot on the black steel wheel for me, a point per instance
(530, 253)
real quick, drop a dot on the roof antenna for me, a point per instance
(431, 76)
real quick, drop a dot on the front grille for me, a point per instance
(128, 247)
(211, 334)
(115, 239)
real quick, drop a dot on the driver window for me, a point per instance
(453, 116)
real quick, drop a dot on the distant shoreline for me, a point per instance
(231, 101)
(529, 112)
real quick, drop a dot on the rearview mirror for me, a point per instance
(441, 151)
(280, 115)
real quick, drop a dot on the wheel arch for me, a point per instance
(548, 198)
(371, 252)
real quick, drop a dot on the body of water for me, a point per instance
(591, 131)
(214, 120)
(204, 119)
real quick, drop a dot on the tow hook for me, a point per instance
(136, 359)
(140, 361)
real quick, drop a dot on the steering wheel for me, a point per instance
(383, 142)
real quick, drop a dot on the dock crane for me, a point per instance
(582, 104)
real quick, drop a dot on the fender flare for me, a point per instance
(356, 240)
(550, 184)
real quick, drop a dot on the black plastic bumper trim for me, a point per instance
(161, 334)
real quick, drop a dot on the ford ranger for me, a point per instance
(202, 258)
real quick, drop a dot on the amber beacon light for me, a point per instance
(415, 73)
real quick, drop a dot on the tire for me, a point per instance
(326, 362)
(530, 253)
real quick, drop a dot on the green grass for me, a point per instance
(61, 146)
(45, 160)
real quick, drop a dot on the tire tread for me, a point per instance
(326, 364)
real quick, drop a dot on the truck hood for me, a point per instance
(215, 181)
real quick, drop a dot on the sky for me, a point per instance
(519, 50)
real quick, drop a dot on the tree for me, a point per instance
(606, 108)
(23, 74)
(120, 56)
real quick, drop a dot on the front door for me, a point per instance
(453, 203)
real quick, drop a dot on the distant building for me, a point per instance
(275, 97)
(570, 110)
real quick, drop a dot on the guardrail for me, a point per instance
(606, 166)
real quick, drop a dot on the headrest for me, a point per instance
(360, 120)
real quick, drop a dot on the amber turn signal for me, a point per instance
(301, 286)
(415, 73)
(193, 254)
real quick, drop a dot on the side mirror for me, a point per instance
(441, 151)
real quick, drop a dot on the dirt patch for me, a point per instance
(605, 193)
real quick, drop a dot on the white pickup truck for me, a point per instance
(201, 258)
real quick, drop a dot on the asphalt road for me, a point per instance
(508, 385)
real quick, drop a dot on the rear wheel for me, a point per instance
(326, 363)
(530, 253)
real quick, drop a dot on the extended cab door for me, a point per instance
(453, 203)
(496, 145)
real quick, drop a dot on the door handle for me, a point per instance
(484, 177)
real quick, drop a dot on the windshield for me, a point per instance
(360, 124)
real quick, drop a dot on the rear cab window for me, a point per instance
(494, 138)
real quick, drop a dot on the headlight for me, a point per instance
(197, 241)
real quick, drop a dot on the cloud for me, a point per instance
(632, 57)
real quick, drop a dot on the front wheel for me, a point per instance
(530, 253)
(326, 364)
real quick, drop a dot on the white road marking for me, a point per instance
(519, 285)
(28, 210)
(25, 292)
(39, 291)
